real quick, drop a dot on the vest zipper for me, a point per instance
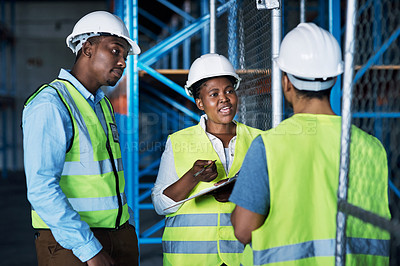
(117, 222)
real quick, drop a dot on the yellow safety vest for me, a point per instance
(200, 232)
(303, 155)
(93, 176)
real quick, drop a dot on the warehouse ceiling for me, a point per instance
(154, 7)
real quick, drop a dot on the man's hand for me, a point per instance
(101, 259)
(244, 222)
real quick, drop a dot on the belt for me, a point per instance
(122, 226)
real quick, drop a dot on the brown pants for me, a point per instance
(121, 245)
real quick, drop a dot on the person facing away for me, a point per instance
(72, 155)
(199, 232)
(286, 192)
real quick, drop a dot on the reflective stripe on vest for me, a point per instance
(93, 163)
(194, 219)
(203, 226)
(202, 247)
(320, 248)
(190, 247)
(198, 219)
(90, 168)
(96, 204)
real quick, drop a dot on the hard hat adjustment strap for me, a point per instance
(311, 85)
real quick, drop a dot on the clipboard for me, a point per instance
(205, 191)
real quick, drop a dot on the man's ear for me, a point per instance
(199, 104)
(87, 49)
(286, 84)
(335, 80)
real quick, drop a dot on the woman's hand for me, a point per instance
(222, 194)
(204, 170)
(199, 172)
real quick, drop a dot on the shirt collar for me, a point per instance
(203, 120)
(202, 123)
(66, 75)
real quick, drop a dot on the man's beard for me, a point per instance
(111, 82)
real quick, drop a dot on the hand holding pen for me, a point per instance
(204, 170)
(184, 185)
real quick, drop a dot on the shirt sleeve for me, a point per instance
(166, 176)
(47, 133)
(251, 190)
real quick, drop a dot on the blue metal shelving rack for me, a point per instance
(329, 17)
(128, 10)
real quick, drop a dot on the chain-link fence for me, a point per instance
(376, 93)
(244, 36)
(376, 104)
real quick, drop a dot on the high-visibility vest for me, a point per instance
(92, 178)
(200, 232)
(303, 158)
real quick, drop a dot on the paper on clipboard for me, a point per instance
(205, 191)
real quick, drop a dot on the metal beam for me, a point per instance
(156, 52)
(277, 103)
(394, 188)
(153, 240)
(212, 27)
(154, 228)
(148, 32)
(165, 80)
(334, 28)
(302, 11)
(153, 19)
(175, 104)
(145, 195)
(132, 167)
(341, 218)
(157, 106)
(376, 115)
(149, 168)
(377, 55)
(232, 36)
(176, 10)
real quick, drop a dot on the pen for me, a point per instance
(205, 167)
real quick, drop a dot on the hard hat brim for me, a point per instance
(299, 73)
(135, 49)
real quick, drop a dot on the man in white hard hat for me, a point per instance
(72, 155)
(286, 193)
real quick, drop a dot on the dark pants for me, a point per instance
(121, 245)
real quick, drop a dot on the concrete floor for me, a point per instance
(18, 248)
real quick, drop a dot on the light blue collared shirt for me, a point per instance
(47, 134)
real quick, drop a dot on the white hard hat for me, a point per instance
(309, 52)
(208, 66)
(99, 23)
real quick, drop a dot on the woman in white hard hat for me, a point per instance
(199, 232)
(73, 161)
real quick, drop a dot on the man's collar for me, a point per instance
(65, 74)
